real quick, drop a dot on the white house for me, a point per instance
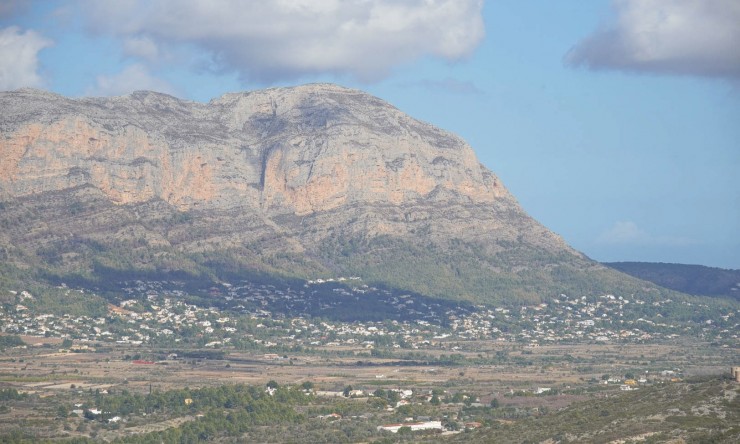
(414, 426)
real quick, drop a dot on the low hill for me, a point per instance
(696, 280)
(699, 411)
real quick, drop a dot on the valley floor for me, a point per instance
(58, 388)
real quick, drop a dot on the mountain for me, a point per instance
(310, 181)
(690, 279)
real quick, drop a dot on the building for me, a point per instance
(736, 373)
(414, 426)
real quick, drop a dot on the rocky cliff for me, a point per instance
(311, 180)
(297, 150)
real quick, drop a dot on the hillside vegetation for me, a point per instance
(695, 411)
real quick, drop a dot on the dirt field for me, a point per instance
(37, 369)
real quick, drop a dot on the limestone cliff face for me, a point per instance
(115, 145)
(296, 150)
(126, 163)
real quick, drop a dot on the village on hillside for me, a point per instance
(261, 316)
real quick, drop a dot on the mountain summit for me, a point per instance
(314, 180)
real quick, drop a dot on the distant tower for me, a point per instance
(736, 374)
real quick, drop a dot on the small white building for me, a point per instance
(414, 426)
(328, 394)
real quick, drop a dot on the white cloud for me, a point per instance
(289, 39)
(19, 60)
(142, 47)
(689, 37)
(132, 78)
(623, 232)
(628, 233)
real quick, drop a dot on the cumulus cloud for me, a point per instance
(688, 37)
(132, 78)
(19, 60)
(628, 233)
(289, 39)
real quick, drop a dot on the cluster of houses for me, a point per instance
(156, 312)
(164, 317)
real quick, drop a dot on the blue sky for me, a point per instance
(615, 123)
